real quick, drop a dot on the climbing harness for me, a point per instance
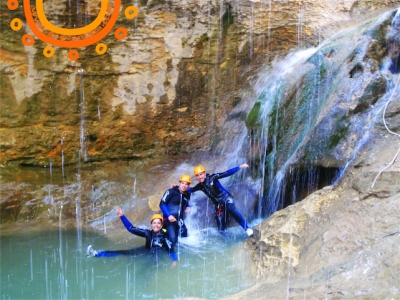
(169, 243)
(219, 210)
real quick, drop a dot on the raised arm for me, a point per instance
(128, 225)
(231, 171)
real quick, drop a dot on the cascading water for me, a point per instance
(271, 88)
(294, 151)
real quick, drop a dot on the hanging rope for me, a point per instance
(387, 128)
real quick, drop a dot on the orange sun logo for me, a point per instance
(67, 37)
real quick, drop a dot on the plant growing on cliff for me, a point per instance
(252, 120)
(227, 20)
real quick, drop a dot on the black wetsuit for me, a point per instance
(174, 203)
(222, 199)
(155, 241)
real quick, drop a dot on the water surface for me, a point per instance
(52, 264)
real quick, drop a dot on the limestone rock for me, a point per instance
(334, 243)
(182, 66)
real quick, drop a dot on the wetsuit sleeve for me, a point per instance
(163, 203)
(196, 188)
(227, 173)
(134, 230)
(187, 195)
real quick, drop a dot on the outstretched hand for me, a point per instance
(119, 212)
(243, 166)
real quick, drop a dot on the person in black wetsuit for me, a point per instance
(222, 199)
(175, 205)
(156, 239)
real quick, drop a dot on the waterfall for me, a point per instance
(260, 145)
(270, 89)
(238, 144)
(314, 112)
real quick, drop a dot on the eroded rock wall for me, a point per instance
(341, 241)
(166, 88)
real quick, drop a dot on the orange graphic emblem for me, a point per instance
(70, 37)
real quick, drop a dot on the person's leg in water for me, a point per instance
(173, 231)
(176, 230)
(221, 217)
(231, 210)
(108, 253)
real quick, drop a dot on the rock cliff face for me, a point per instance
(166, 88)
(339, 242)
(316, 108)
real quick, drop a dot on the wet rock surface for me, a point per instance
(341, 241)
(168, 88)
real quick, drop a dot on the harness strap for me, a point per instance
(219, 210)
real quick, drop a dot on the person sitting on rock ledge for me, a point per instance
(156, 239)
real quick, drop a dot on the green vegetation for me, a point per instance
(227, 20)
(335, 138)
(177, 147)
(252, 120)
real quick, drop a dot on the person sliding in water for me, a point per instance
(156, 239)
(221, 198)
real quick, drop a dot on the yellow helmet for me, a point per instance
(199, 169)
(156, 216)
(185, 178)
